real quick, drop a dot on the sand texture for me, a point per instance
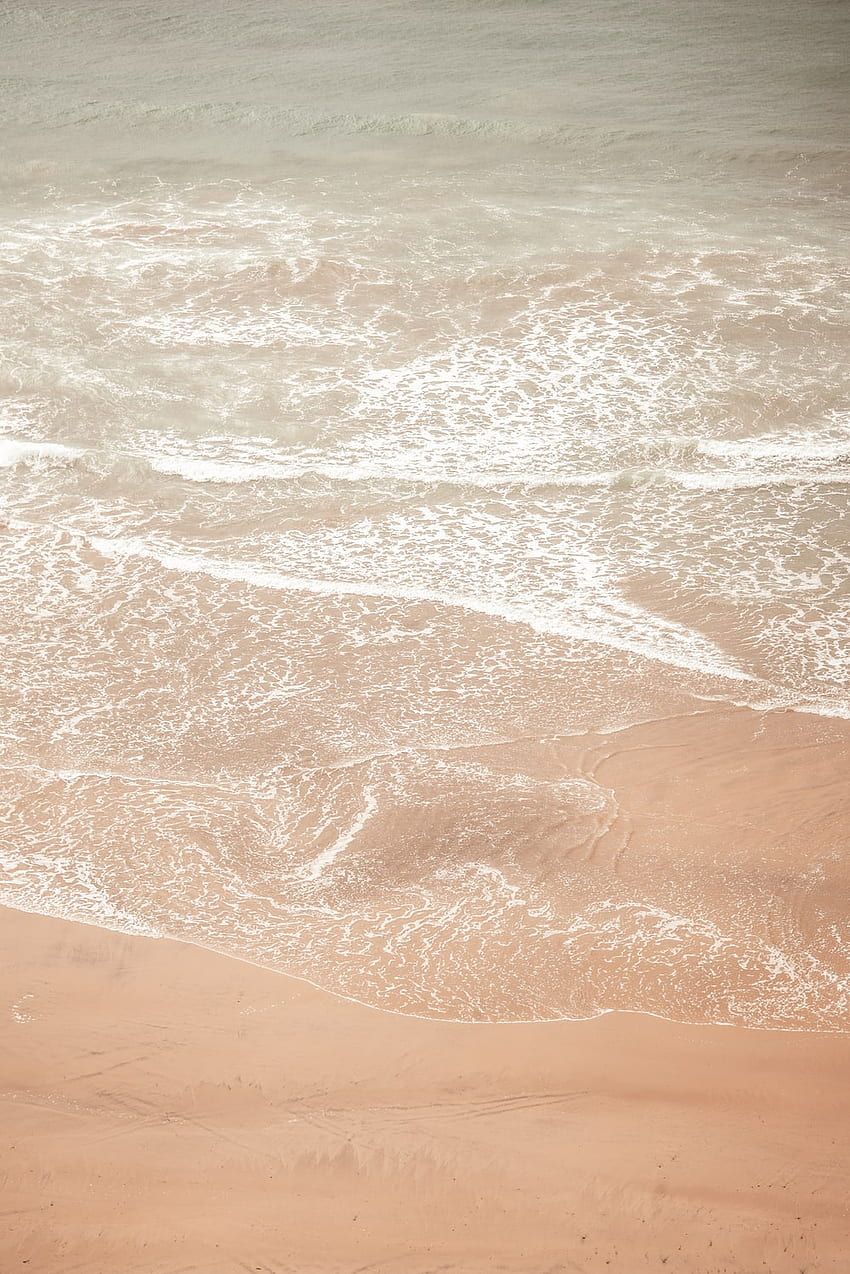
(166, 1109)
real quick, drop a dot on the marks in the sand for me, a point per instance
(457, 1109)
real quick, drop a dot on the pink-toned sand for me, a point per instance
(165, 1109)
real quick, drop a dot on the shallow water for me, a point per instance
(384, 381)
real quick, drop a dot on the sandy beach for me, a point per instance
(425, 625)
(165, 1109)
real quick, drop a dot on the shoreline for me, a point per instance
(421, 1017)
(170, 1108)
(688, 868)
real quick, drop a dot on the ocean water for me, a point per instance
(385, 388)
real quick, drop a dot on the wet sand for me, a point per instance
(691, 867)
(169, 1109)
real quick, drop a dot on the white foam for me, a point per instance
(317, 867)
(14, 451)
(391, 345)
(236, 472)
(622, 625)
(423, 471)
(770, 447)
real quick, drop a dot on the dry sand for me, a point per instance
(168, 1109)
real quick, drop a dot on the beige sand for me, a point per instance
(167, 1109)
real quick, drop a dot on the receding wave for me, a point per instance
(446, 885)
(651, 636)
